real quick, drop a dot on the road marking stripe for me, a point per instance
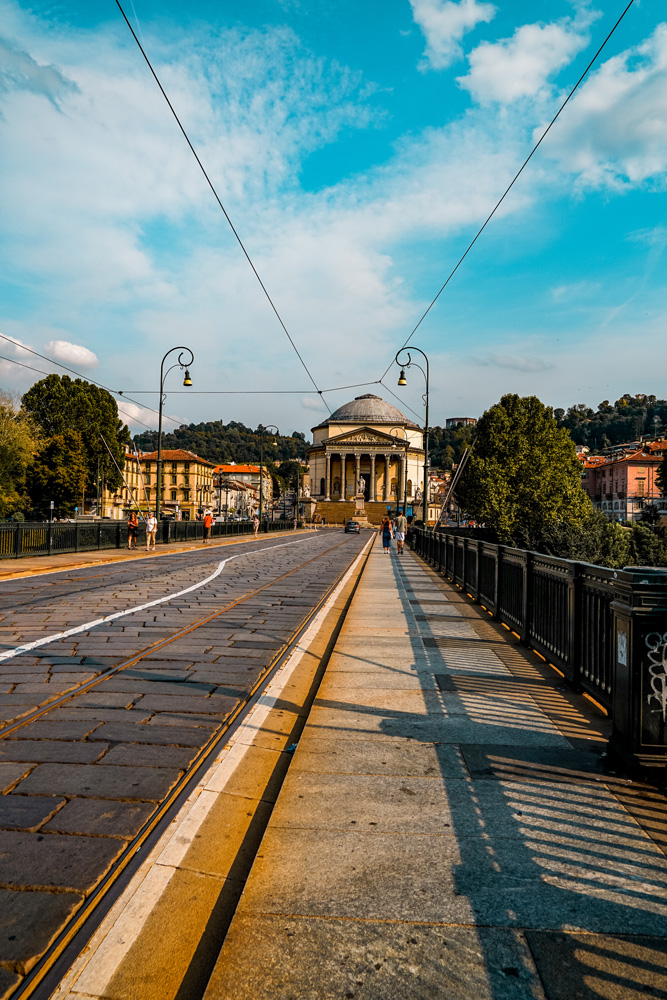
(26, 647)
(93, 970)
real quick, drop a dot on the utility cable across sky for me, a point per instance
(508, 188)
(220, 204)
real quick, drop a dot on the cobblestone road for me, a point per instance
(81, 780)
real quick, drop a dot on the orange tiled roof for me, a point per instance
(243, 469)
(175, 455)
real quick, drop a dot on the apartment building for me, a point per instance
(187, 485)
(620, 484)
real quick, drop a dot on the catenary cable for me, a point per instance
(510, 186)
(86, 378)
(13, 361)
(219, 201)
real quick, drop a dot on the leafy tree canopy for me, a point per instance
(59, 404)
(58, 473)
(523, 473)
(17, 444)
(224, 443)
(614, 423)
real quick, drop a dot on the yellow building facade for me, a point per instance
(187, 485)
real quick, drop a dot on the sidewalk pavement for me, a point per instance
(446, 830)
(37, 565)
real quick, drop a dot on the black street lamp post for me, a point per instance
(403, 381)
(274, 430)
(187, 381)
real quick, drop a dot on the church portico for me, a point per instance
(380, 455)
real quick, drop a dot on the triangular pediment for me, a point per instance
(364, 436)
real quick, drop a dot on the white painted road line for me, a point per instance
(91, 973)
(26, 647)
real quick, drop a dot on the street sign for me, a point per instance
(52, 505)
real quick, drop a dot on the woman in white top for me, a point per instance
(151, 531)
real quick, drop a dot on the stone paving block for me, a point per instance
(322, 754)
(96, 781)
(10, 773)
(260, 776)
(214, 705)
(159, 973)
(382, 803)
(135, 755)
(185, 719)
(52, 861)
(72, 712)
(98, 698)
(8, 983)
(15, 701)
(364, 876)
(50, 729)
(531, 764)
(265, 958)
(101, 818)
(29, 921)
(57, 751)
(591, 966)
(142, 685)
(26, 812)
(165, 735)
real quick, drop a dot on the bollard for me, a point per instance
(639, 715)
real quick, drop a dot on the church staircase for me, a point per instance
(338, 511)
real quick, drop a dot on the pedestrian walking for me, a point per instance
(401, 527)
(208, 521)
(132, 530)
(386, 535)
(255, 524)
(151, 531)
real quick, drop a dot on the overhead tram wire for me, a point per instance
(86, 378)
(219, 201)
(510, 185)
(13, 361)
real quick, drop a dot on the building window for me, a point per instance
(147, 477)
(173, 494)
(173, 479)
(322, 487)
(174, 466)
(409, 487)
(186, 496)
(186, 467)
(148, 466)
(641, 488)
(186, 480)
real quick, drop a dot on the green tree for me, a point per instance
(17, 445)
(58, 472)
(661, 477)
(59, 404)
(523, 476)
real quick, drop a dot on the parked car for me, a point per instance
(353, 526)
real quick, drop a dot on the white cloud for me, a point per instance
(574, 290)
(520, 66)
(312, 403)
(614, 134)
(444, 23)
(71, 354)
(18, 70)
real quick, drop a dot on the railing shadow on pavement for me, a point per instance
(560, 888)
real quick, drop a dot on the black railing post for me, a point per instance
(639, 706)
(18, 539)
(497, 581)
(76, 536)
(575, 627)
(526, 599)
(99, 534)
(49, 537)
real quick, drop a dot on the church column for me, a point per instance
(343, 474)
(357, 473)
(387, 459)
(327, 478)
(372, 488)
(401, 483)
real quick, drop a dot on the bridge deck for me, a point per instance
(446, 830)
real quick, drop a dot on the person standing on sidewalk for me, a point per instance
(255, 524)
(386, 535)
(151, 531)
(208, 521)
(401, 526)
(132, 530)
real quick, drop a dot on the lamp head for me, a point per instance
(187, 380)
(401, 378)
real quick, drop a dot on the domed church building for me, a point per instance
(366, 446)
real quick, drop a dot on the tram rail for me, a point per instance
(77, 930)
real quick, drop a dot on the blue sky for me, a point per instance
(357, 148)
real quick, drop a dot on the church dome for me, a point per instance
(367, 409)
